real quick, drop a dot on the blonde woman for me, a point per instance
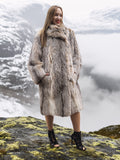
(54, 64)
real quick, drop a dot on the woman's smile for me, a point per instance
(57, 21)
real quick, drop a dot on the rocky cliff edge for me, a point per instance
(25, 138)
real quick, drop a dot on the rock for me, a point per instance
(110, 131)
(25, 138)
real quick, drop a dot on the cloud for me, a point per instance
(101, 52)
(102, 81)
(100, 106)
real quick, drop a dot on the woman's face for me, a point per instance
(58, 17)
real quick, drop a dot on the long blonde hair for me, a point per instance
(48, 21)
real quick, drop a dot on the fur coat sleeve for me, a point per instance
(35, 65)
(76, 57)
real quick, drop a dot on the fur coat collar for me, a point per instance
(55, 31)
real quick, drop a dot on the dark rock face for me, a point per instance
(25, 138)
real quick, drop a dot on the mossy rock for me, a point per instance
(25, 138)
(112, 131)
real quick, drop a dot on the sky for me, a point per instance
(78, 9)
(73, 9)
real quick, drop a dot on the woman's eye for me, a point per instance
(58, 15)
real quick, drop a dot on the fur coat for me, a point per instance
(59, 92)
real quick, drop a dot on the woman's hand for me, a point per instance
(47, 74)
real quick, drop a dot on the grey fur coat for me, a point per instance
(59, 93)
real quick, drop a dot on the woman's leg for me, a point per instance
(76, 136)
(49, 121)
(75, 118)
(51, 135)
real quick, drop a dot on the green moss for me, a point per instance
(8, 138)
(108, 157)
(91, 152)
(14, 157)
(9, 125)
(116, 156)
(42, 129)
(13, 146)
(29, 120)
(36, 153)
(2, 142)
(61, 130)
(110, 144)
(26, 119)
(90, 149)
(102, 143)
(57, 150)
(4, 134)
(100, 154)
(96, 143)
(23, 145)
(30, 126)
(10, 119)
(74, 151)
(40, 134)
(50, 149)
(43, 126)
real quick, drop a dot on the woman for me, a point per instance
(54, 65)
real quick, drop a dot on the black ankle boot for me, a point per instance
(76, 137)
(53, 141)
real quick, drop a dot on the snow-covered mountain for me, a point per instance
(17, 30)
(100, 21)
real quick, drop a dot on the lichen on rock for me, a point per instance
(14, 157)
(4, 134)
(2, 142)
(12, 146)
(25, 138)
